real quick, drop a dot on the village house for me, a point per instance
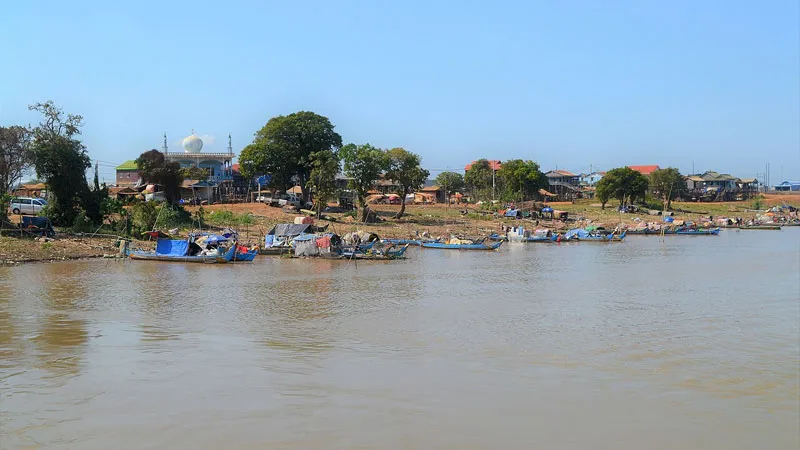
(788, 186)
(563, 184)
(128, 174)
(645, 170)
(715, 186)
(35, 190)
(591, 179)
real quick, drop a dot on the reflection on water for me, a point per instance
(681, 343)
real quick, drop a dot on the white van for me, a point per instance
(26, 205)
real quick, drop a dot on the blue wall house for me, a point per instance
(787, 186)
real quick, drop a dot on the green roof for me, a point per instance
(128, 165)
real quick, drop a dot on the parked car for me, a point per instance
(26, 205)
(293, 200)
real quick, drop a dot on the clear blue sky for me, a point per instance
(567, 84)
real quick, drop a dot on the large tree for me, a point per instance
(61, 161)
(405, 170)
(15, 155)
(451, 182)
(322, 179)
(155, 169)
(521, 179)
(667, 184)
(285, 146)
(624, 184)
(478, 179)
(364, 164)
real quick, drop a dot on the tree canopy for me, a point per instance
(364, 164)
(623, 184)
(155, 169)
(521, 179)
(450, 181)
(668, 184)
(478, 179)
(322, 178)
(405, 170)
(285, 146)
(15, 155)
(61, 161)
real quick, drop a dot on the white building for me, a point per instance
(219, 165)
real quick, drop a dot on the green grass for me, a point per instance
(227, 218)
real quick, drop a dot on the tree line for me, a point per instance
(304, 149)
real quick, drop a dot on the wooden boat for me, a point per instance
(281, 250)
(582, 235)
(417, 242)
(235, 254)
(760, 227)
(151, 256)
(378, 254)
(696, 232)
(460, 246)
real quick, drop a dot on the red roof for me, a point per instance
(235, 167)
(494, 164)
(644, 170)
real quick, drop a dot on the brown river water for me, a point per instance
(681, 343)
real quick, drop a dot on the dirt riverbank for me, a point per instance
(432, 220)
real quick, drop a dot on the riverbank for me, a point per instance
(433, 220)
(15, 250)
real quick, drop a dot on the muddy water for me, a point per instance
(692, 342)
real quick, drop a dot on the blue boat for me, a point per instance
(460, 246)
(175, 250)
(697, 232)
(234, 254)
(582, 235)
(417, 242)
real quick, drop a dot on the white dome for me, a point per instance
(192, 144)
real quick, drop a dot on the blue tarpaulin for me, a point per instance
(216, 239)
(547, 209)
(668, 219)
(511, 213)
(172, 247)
(579, 232)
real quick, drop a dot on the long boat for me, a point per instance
(474, 246)
(760, 227)
(582, 235)
(697, 232)
(151, 256)
(417, 242)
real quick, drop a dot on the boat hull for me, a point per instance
(478, 247)
(145, 256)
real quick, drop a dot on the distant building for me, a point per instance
(36, 190)
(715, 186)
(128, 174)
(788, 186)
(645, 170)
(592, 178)
(494, 164)
(219, 164)
(563, 184)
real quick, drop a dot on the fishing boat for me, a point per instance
(582, 235)
(416, 242)
(760, 227)
(238, 253)
(695, 231)
(462, 244)
(377, 253)
(177, 250)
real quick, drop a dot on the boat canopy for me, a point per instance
(172, 247)
(290, 229)
(577, 232)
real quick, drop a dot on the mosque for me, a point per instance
(218, 165)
